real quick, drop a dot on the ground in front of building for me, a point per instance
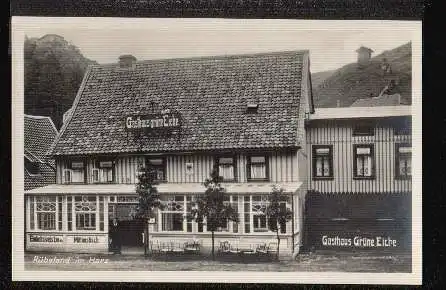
(308, 262)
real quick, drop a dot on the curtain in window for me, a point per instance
(77, 175)
(226, 171)
(364, 165)
(405, 165)
(258, 171)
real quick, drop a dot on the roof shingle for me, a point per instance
(210, 93)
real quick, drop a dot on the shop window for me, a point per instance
(230, 226)
(257, 168)
(85, 212)
(75, 172)
(158, 167)
(46, 212)
(258, 210)
(364, 129)
(173, 213)
(363, 165)
(103, 171)
(226, 168)
(322, 161)
(403, 166)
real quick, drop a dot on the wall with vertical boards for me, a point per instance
(339, 134)
(283, 167)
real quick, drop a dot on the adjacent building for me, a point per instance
(39, 134)
(360, 174)
(243, 114)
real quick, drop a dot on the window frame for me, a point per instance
(373, 160)
(96, 166)
(248, 167)
(234, 165)
(182, 212)
(94, 212)
(397, 159)
(330, 162)
(69, 166)
(163, 166)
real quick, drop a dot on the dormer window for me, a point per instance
(32, 167)
(252, 107)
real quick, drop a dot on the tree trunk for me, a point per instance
(278, 244)
(146, 236)
(213, 255)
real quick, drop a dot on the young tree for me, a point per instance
(211, 206)
(149, 199)
(277, 213)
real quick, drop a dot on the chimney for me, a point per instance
(364, 54)
(127, 61)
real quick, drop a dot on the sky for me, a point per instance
(331, 44)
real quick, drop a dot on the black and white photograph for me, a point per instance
(200, 150)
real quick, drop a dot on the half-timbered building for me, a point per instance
(243, 114)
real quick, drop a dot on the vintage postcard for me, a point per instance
(266, 151)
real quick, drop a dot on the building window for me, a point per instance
(32, 167)
(158, 165)
(363, 129)
(173, 213)
(257, 168)
(75, 172)
(363, 161)
(322, 161)
(85, 210)
(103, 171)
(258, 210)
(46, 212)
(226, 168)
(403, 166)
(230, 226)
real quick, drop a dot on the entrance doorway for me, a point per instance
(130, 228)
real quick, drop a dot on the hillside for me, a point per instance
(319, 77)
(352, 82)
(54, 69)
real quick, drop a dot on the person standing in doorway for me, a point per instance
(115, 237)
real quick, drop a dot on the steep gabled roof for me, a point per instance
(210, 93)
(39, 134)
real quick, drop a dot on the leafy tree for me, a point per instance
(149, 199)
(277, 213)
(211, 207)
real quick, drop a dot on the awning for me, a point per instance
(130, 189)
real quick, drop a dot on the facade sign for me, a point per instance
(45, 239)
(85, 239)
(165, 120)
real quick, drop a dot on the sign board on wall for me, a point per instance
(189, 168)
(164, 121)
(35, 238)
